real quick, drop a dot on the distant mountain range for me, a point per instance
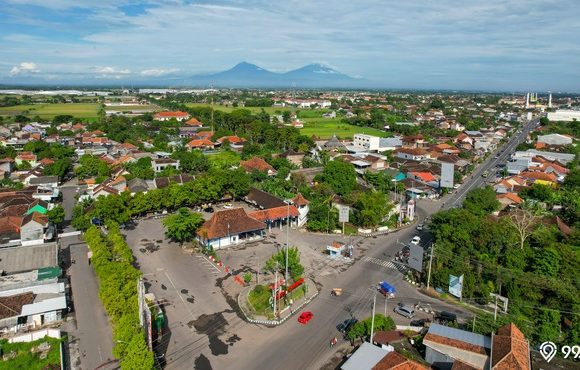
(243, 74)
(246, 74)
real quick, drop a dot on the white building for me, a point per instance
(564, 115)
(555, 139)
(372, 143)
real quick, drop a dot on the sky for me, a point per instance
(504, 45)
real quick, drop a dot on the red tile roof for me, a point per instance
(511, 196)
(273, 214)
(510, 349)
(193, 122)
(176, 114)
(11, 306)
(204, 135)
(256, 164)
(299, 200)
(237, 219)
(46, 161)
(26, 156)
(231, 139)
(386, 337)
(395, 361)
(424, 176)
(454, 343)
(459, 365)
(200, 143)
(539, 176)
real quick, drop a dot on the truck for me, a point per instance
(387, 289)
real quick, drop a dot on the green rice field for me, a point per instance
(324, 128)
(80, 110)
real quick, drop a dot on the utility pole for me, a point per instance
(430, 262)
(275, 290)
(373, 317)
(386, 297)
(287, 246)
(473, 328)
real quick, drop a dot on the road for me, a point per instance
(92, 331)
(293, 346)
(502, 155)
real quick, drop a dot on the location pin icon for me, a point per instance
(548, 351)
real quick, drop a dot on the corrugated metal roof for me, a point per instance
(365, 357)
(461, 335)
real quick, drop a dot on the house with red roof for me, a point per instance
(201, 144)
(277, 216)
(426, 177)
(166, 116)
(510, 349)
(509, 200)
(235, 142)
(230, 227)
(193, 122)
(26, 157)
(258, 164)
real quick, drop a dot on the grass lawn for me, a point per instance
(79, 110)
(260, 299)
(228, 109)
(326, 127)
(31, 361)
(128, 108)
(223, 159)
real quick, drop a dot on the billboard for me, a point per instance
(416, 257)
(455, 285)
(447, 175)
(343, 214)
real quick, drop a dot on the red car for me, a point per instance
(305, 317)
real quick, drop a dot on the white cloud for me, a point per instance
(23, 68)
(111, 71)
(155, 72)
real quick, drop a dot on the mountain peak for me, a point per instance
(247, 66)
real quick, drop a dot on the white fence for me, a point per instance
(35, 335)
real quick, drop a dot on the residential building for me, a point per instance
(26, 157)
(414, 154)
(259, 165)
(510, 349)
(230, 227)
(444, 345)
(200, 144)
(159, 164)
(293, 157)
(166, 116)
(372, 143)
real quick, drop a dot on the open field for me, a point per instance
(80, 110)
(326, 127)
(130, 108)
(229, 108)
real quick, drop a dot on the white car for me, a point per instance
(420, 227)
(416, 240)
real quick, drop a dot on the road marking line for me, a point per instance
(179, 295)
(212, 264)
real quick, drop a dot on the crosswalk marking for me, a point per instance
(385, 263)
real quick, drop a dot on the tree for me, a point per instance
(341, 176)
(182, 226)
(523, 221)
(193, 162)
(295, 269)
(363, 328)
(56, 215)
(372, 207)
(481, 201)
(59, 168)
(548, 326)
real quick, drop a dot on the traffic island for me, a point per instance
(257, 301)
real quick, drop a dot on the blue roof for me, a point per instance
(461, 335)
(388, 287)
